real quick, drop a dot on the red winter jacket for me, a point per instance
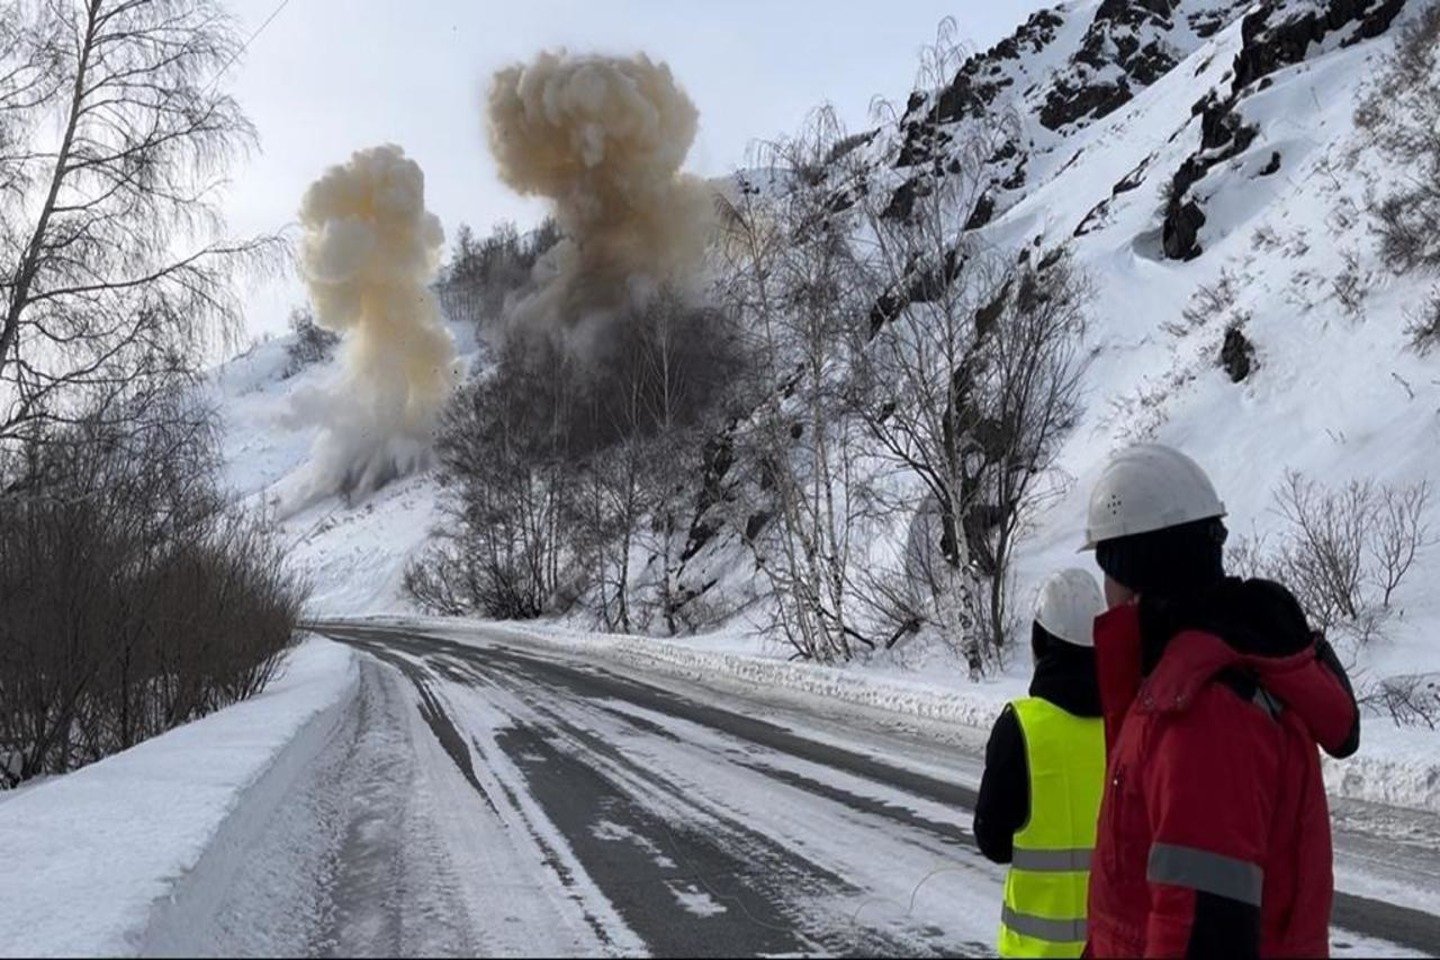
(1214, 834)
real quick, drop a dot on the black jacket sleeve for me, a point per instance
(1327, 656)
(1003, 806)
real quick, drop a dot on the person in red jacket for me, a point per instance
(1214, 831)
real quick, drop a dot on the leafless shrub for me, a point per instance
(1400, 111)
(1344, 553)
(1397, 534)
(1409, 700)
(1349, 286)
(1344, 214)
(1325, 557)
(1424, 326)
(1266, 239)
(440, 580)
(1138, 416)
(135, 597)
(1209, 302)
(1298, 290)
(901, 602)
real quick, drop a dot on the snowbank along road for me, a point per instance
(488, 798)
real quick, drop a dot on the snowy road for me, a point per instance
(485, 799)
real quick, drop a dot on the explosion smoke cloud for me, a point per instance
(369, 254)
(603, 138)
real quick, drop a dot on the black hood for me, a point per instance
(1064, 674)
(1255, 617)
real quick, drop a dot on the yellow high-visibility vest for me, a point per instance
(1049, 878)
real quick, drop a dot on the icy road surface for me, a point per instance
(483, 799)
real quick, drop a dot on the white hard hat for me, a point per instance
(1067, 606)
(1148, 487)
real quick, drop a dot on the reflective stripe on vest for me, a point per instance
(1046, 888)
(1052, 861)
(1054, 931)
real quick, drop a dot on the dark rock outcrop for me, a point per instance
(1237, 354)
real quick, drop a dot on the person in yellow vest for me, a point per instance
(1044, 776)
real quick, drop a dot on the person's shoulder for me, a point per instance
(1231, 704)
(1005, 719)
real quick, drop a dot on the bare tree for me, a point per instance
(499, 550)
(113, 143)
(969, 375)
(795, 282)
(690, 366)
(481, 274)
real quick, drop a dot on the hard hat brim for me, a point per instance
(1092, 542)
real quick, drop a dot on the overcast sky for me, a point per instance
(330, 76)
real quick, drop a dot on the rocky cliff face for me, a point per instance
(1063, 69)
(1276, 35)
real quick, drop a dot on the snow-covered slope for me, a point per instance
(354, 554)
(1063, 69)
(1334, 392)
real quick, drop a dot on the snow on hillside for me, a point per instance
(354, 554)
(1335, 393)
(1216, 132)
(1064, 68)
